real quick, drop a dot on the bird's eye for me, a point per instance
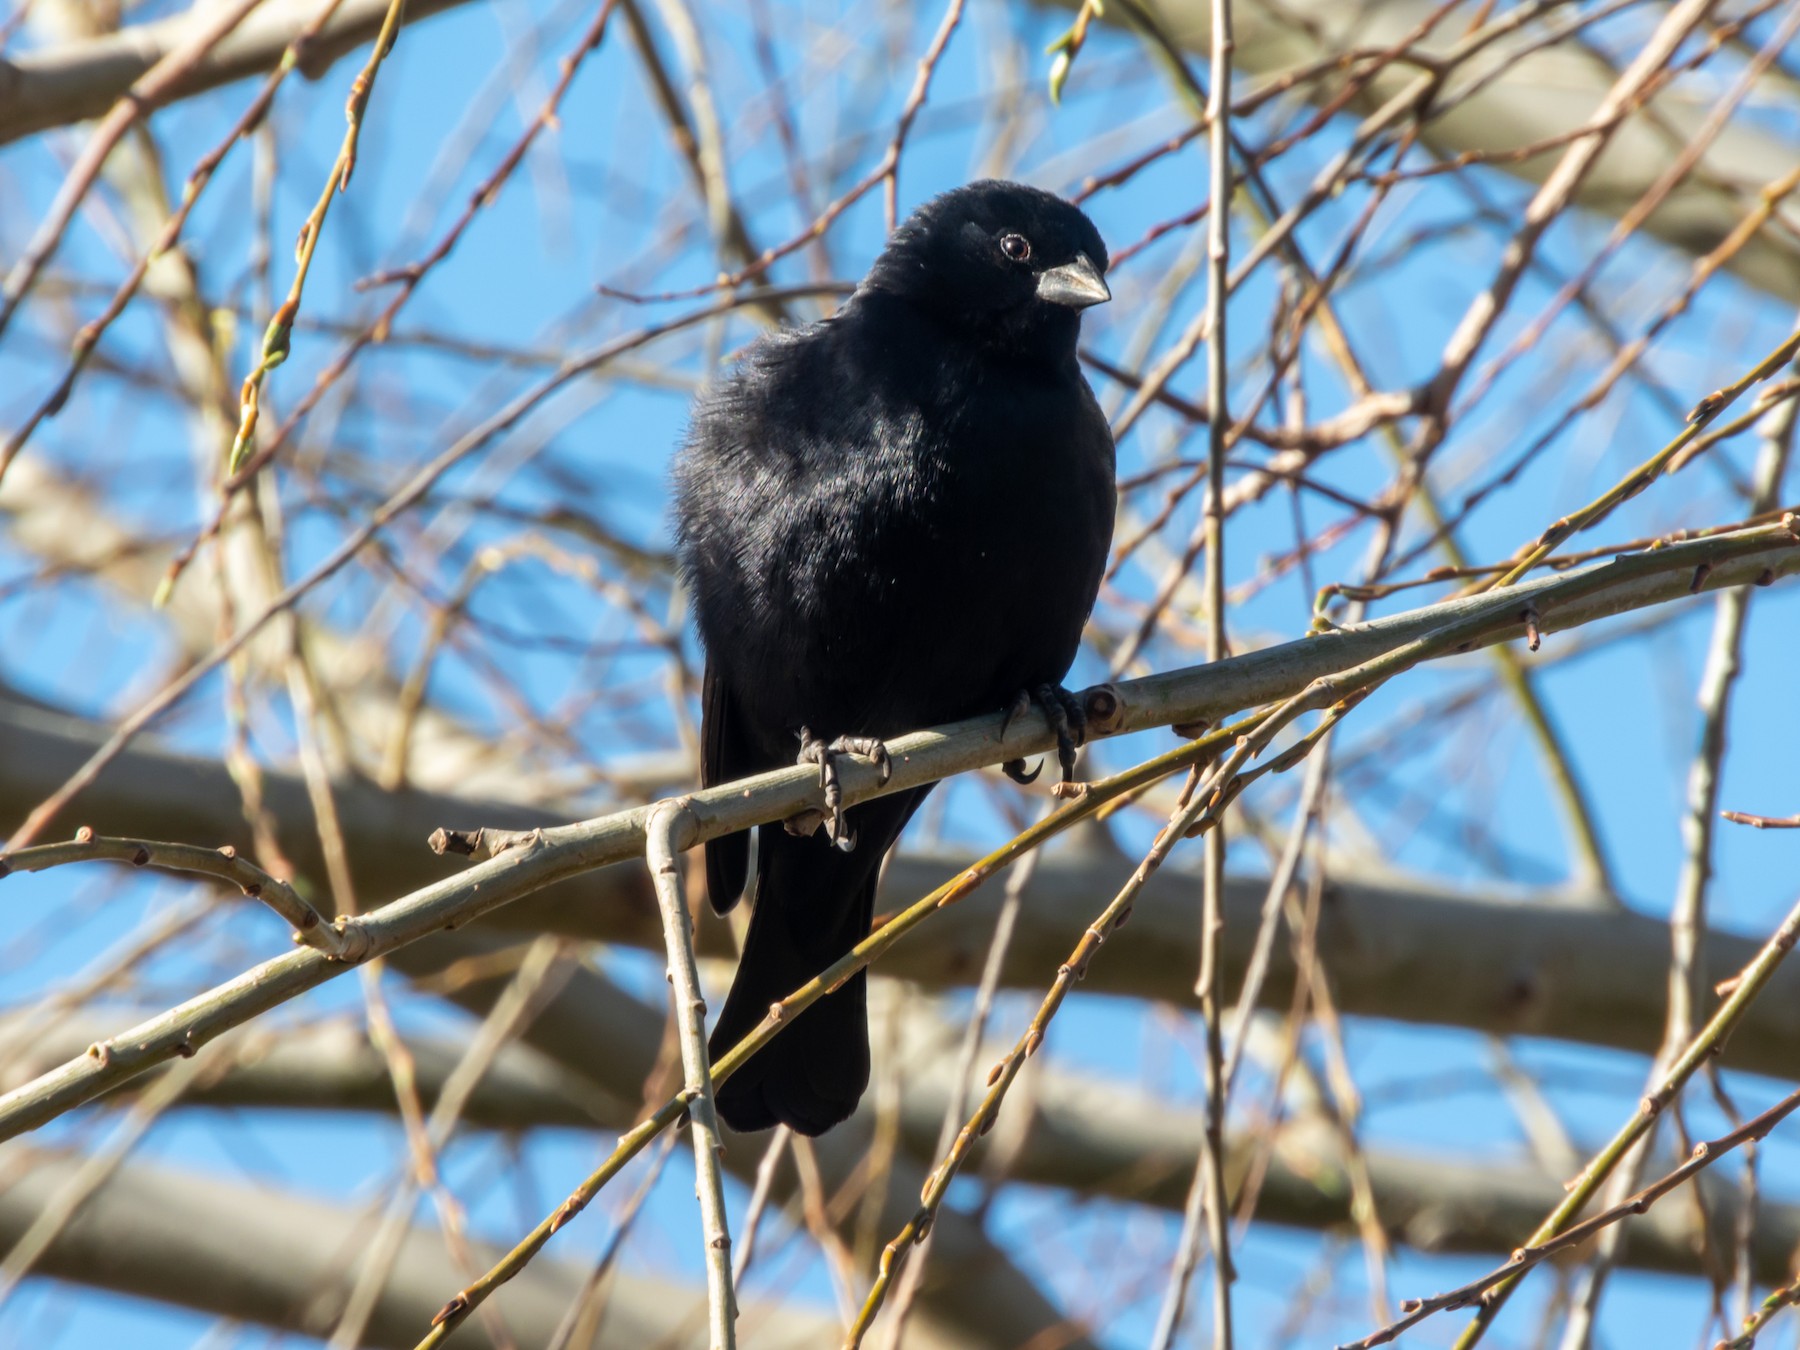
(1015, 246)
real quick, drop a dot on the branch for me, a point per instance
(560, 1079)
(1502, 100)
(1394, 947)
(975, 1288)
(78, 80)
(1535, 98)
(1203, 694)
(137, 102)
(668, 830)
(1762, 822)
(64, 522)
(1738, 996)
(1522, 1260)
(188, 1239)
(221, 864)
(1086, 1135)
(331, 1066)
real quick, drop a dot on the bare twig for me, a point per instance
(669, 830)
(87, 338)
(1704, 1155)
(221, 864)
(1687, 915)
(1209, 1199)
(144, 95)
(1698, 1051)
(1762, 822)
(957, 1103)
(1704, 413)
(279, 336)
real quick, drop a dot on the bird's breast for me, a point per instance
(919, 562)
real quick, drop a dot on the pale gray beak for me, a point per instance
(1076, 284)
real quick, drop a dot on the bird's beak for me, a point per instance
(1076, 284)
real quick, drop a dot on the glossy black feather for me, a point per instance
(723, 757)
(896, 517)
(813, 903)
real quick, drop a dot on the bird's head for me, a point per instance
(1008, 264)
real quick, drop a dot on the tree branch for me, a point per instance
(1506, 97)
(79, 80)
(183, 1238)
(1087, 1135)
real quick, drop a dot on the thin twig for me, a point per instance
(759, 1199)
(956, 1104)
(1788, 1296)
(1762, 822)
(144, 95)
(1198, 810)
(279, 336)
(98, 1166)
(1741, 991)
(221, 864)
(1687, 915)
(785, 1010)
(87, 337)
(1704, 413)
(668, 830)
(1540, 1248)
(579, 1327)
(1208, 1195)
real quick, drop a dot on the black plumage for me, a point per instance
(895, 517)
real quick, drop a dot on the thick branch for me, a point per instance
(332, 1067)
(69, 526)
(187, 1239)
(79, 80)
(1203, 694)
(1089, 1136)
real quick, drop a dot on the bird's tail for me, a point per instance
(813, 903)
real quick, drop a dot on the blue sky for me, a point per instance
(596, 205)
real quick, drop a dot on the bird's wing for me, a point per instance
(723, 757)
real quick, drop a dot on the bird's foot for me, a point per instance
(814, 750)
(1067, 715)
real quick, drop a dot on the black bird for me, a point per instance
(892, 518)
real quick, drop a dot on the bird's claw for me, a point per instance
(1067, 715)
(814, 750)
(1015, 770)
